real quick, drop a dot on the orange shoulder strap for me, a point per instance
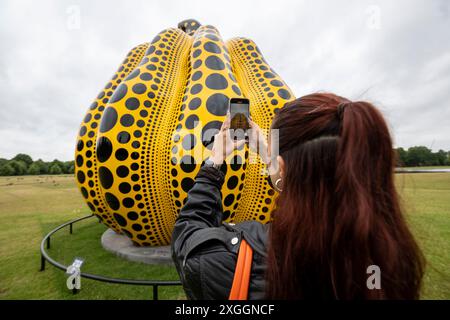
(241, 280)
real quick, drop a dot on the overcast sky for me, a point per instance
(395, 54)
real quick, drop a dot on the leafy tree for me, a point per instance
(67, 165)
(401, 157)
(34, 169)
(20, 167)
(442, 158)
(6, 170)
(25, 158)
(419, 156)
(43, 166)
(55, 169)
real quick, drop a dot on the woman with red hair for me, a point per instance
(337, 212)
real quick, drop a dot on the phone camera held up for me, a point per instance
(239, 118)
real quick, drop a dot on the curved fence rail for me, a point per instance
(45, 244)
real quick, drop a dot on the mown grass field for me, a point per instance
(31, 206)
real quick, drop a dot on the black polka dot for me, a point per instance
(216, 81)
(109, 119)
(269, 75)
(132, 103)
(135, 155)
(119, 93)
(194, 103)
(134, 74)
(187, 164)
(126, 120)
(283, 93)
(197, 64)
(196, 53)
(93, 106)
(80, 145)
(217, 104)
(151, 67)
(121, 154)
(106, 177)
(112, 201)
(122, 171)
(232, 182)
(120, 220)
(196, 88)
(274, 102)
(128, 202)
(146, 76)
(276, 83)
(84, 192)
(81, 177)
(197, 75)
(124, 187)
(189, 142)
(236, 89)
(187, 184)
(88, 118)
(208, 132)
(151, 49)
(132, 215)
(212, 47)
(192, 121)
(137, 227)
(123, 137)
(79, 160)
(139, 88)
(104, 149)
(214, 63)
(229, 199)
(91, 206)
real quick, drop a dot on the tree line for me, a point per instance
(420, 156)
(23, 164)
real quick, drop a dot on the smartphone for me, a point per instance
(239, 115)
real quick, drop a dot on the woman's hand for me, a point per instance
(223, 144)
(257, 141)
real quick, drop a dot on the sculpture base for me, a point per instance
(123, 247)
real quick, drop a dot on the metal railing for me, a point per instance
(45, 244)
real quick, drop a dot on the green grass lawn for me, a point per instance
(31, 206)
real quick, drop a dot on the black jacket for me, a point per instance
(203, 248)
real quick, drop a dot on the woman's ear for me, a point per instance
(281, 165)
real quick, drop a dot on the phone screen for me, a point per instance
(239, 114)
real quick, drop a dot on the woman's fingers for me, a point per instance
(225, 124)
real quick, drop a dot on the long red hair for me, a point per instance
(339, 210)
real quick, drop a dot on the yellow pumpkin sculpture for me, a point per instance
(137, 144)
